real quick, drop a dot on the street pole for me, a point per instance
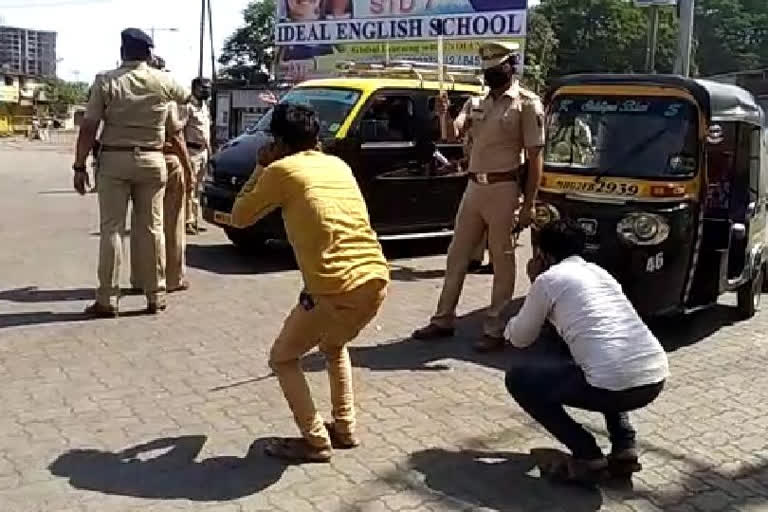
(210, 34)
(684, 44)
(202, 38)
(653, 39)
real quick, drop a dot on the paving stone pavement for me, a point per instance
(170, 413)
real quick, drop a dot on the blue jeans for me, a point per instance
(545, 378)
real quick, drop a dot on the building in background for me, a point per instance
(27, 52)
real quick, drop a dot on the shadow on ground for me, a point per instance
(498, 480)
(171, 474)
(679, 332)
(32, 294)
(413, 355)
(278, 257)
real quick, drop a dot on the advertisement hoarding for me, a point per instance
(314, 35)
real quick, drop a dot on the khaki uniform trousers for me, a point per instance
(174, 203)
(331, 324)
(139, 178)
(199, 159)
(483, 208)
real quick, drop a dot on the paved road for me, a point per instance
(170, 412)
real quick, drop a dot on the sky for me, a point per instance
(89, 30)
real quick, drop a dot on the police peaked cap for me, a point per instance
(135, 36)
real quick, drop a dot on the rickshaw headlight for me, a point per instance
(544, 214)
(643, 229)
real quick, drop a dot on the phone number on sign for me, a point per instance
(601, 187)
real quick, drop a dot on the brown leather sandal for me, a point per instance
(340, 440)
(296, 449)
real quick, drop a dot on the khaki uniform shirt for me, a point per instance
(133, 101)
(499, 129)
(198, 127)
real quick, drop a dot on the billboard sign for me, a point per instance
(313, 35)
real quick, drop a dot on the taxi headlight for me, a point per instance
(643, 229)
(544, 214)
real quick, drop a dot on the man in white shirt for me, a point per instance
(614, 363)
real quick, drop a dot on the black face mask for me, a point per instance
(203, 94)
(495, 78)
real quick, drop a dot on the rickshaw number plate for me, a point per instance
(589, 226)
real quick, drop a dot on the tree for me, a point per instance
(62, 95)
(540, 48)
(606, 36)
(731, 35)
(251, 47)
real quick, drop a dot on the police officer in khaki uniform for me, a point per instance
(506, 129)
(132, 101)
(180, 171)
(197, 133)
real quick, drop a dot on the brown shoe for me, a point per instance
(624, 463)
(489, 344)
(297, 450)
(97, 310)
(191, 230)
(184, 286)
(432, 332)
(153, 308)
(340, 440)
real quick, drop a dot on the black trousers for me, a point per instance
(545, 378)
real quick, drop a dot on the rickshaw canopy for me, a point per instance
(718, 101)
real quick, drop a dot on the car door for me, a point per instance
(391, 158)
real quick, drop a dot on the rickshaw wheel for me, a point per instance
(749, 295)
(765, 281)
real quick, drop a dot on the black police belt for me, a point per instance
(132, 149)
(195, 145)
(489, 178)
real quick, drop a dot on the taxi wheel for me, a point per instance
(749, 295)
(243, 240)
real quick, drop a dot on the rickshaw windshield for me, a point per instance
(331, 105)
(623, 136)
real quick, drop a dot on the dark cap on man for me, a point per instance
(134, 37)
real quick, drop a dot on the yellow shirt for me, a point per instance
(325, 217)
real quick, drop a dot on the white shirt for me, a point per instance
(604, 333)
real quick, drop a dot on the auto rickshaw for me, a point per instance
(667, 176)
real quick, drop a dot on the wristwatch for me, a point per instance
(78, 168)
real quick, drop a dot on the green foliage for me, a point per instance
(732, 35)
(62, 94)
(252, 46)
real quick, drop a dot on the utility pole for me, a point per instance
(202, 38)
(210, 34)
(684, 44)
(653, 39)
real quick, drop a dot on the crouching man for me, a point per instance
(613, 363)
(345, 273)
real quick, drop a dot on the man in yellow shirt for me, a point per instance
(344, 270)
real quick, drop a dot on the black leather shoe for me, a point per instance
(432, 332)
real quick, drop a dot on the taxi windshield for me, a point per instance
(623, 136)
(331, 105)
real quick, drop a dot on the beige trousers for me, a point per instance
(483, 208)
(173, 229)
(331, 324)
(199, 159)
(139, 178)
